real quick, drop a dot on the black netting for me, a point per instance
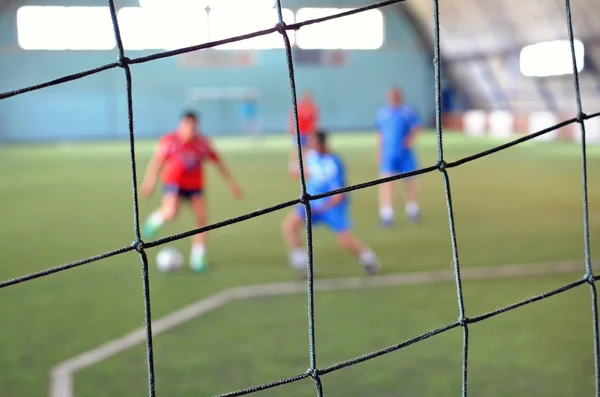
(314, 372)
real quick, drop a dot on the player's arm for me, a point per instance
(235, 189)
(332, 201)
(412, 136)
(415, 130)
(378, 146)
(335, 183)
(153, 169)
(378, 140)
(292, 122)
(294, 171)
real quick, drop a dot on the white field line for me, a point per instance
(61, 376)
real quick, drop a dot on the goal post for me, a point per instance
(222, 108)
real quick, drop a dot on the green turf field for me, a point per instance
(65, 202)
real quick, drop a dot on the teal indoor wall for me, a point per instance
(95, 107)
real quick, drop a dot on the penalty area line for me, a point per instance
(62, 375)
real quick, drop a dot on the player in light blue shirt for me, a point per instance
(250, 115)
(325, 172)
(398, 126)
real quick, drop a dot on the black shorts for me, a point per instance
(182, 193)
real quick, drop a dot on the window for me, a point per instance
(362, 31)
(173, 4)
(225, 23)
(550, 58)
(183, 27)
(32, 37)
(168, 29)
(240, 4)
(65, 28)
(90, 28)
(138, 29)
(231, 4)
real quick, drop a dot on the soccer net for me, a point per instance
(442, 166)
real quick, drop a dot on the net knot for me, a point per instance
(305, 198)
(138, 245)
(123, 61)
(280, 26)
(313, 372)
(463, 321)
(581, 117)
(589, 277)
(441, 166)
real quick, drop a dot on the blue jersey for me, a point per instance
(395, 123)
(326, 172)
(249, 110)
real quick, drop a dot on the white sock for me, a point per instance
(298, 258)
(386, 213)
(368, 258)
(156, 219)
(412, 208)
(197, 250)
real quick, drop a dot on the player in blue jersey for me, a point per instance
(398, 125)
(250, 115)
(324, 172)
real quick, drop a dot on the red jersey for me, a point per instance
(307, 118)
(183, 160)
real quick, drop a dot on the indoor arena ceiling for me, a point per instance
(480, 42)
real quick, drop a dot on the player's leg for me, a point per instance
(388, 167)
(255, 129)
(386, 201)
(291, 228)
(411, 207)
(198, 204)
(167, 211)
(293, 157)
(357, 248)
(251, 127)
(338, 220)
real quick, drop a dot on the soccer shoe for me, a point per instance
(372, 268)
(148, 231)
(198, 264)
(386, 223)
(370, 263)
(303, 273)
(414, 218)
(301, 269)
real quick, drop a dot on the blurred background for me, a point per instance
(65, 194)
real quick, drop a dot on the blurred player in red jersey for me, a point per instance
(308, 118)
(180, 155)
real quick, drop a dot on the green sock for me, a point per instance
(153, 223)
(197, 262)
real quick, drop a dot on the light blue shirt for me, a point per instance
(326, 172)
(395, 123)
(249, 110)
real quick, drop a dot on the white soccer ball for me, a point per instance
(169, 259)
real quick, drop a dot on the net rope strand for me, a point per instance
(314, 372)
(462, 319)
(305, 200)
(586, 223)
(139, 245)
